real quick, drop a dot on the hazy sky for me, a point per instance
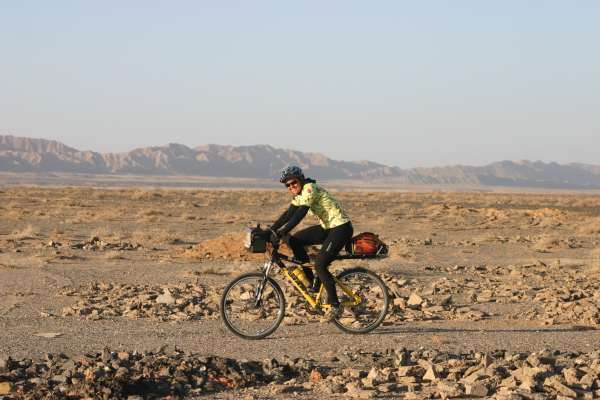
(406, 83)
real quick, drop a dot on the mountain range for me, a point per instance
(21, 154)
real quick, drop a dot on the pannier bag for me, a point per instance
(256, 240)
(367, 245)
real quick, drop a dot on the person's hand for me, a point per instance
(274, 237)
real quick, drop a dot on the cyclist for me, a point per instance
(334, 231)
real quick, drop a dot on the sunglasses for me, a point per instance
(291, 183)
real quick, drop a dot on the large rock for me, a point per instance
(414, 300)
(401, 357)
(5, 363)
(166, 298)
(572, 375)
(376, 377)
(474, 375)
(562, 389)
(354, 391)
(410, 370)
(535, 360)
(430, 374)
(449, 389)
(476, 389)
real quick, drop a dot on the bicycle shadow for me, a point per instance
(386, 330)
(415, 330)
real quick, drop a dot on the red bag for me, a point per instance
(366, 244)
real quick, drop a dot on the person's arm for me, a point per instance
(285, 217)
(294, 220)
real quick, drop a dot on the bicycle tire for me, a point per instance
(253, 278)
(344, 321)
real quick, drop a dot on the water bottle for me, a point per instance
(298, 272)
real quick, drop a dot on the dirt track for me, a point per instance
(21, 320)
(521, 271)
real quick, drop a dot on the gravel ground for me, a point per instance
(467, 273)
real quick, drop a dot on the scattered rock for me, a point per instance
(354, 391)
(174, 303)
(96, 244)
(6, 388)
(5, 363)
(560, 388)
(414, 300)
(449, 389)
(166, 298)
(476, 389)
(430, 373)
(48, 335)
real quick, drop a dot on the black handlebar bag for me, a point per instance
(256, 240)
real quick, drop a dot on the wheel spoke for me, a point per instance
(370, 312)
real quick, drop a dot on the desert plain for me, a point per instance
(113, 293)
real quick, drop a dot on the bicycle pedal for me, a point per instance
(313, 311)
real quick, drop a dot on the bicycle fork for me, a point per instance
(261, 286)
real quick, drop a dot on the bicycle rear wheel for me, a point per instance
(372, 306)
(252, 307)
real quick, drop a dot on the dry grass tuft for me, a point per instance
(150, 213)
(57, 235)
(595, 259)
(114, 255)
(438, 340)
(27, 233)
(140, 195)
(400, 250)
(546, 217)
(546, 242)
(106, 233)
(13, 213)
(590, 226)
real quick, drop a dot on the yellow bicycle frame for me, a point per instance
(315, 301)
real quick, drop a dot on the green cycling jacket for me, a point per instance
(321, 204)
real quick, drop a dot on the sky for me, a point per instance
(404, 83)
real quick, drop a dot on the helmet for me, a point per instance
(291, 171)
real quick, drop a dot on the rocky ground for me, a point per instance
(493, 295)
(348, 372)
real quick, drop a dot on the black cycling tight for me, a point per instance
(333, 241)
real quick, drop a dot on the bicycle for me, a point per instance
(253, 305)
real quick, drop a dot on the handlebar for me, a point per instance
(273, 238)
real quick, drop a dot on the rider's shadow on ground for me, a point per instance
(385, 330)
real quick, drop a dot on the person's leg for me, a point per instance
(335, 241)
(311, 235)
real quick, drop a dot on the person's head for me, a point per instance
(293, 178)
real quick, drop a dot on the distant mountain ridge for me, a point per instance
(20, 154)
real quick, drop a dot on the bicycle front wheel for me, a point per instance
(365, 301)
(252, 307)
